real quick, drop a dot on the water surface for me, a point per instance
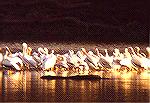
(27, 86)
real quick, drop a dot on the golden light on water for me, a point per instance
(16, 77)
(126, 75)
(52, 85)
(145, 75)
(28, 82)
(64, 85)
(116, 74)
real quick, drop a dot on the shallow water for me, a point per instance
(28, 86)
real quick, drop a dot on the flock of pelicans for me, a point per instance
(82, 61)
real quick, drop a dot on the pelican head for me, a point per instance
(126, 50)
(105, 50)
(116, 50)
(71, 52)
(39, 49)
(24, 44)
(131, 50)
(7, 48)
(46, 50)
(148, 49)
(53, 51)
(96, 49)
(137, 49)
(83, 50)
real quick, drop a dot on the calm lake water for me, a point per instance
(28, 86)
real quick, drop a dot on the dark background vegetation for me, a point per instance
(74, 20)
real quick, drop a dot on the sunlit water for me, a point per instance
(28, 86)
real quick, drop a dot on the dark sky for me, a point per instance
(74, 20)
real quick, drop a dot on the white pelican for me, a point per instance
(49, 62)
(73, 58)
(41, 54)
(145, 62)
(12, 60)
(138, 53)
(27, 58)
(46, 50)
(78, 61)
(117, 57)
(126, 61)
(136, 59)
(106, 61)
(91, 59)
(1, 56)
(148, 51)
(98, 53)
(36, 57)
(61, 61)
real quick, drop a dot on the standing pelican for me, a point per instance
(82, 58)
(61, 61)
(136, 59)
(49, 61)
(126, 61)
(78, 61)
(91, 59)
(145, 62)
(148, 51)
(12, 60)
(1, 57)
(106, 61)
(26, 57)
(117, 57)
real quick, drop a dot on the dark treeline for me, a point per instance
(74, 20)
